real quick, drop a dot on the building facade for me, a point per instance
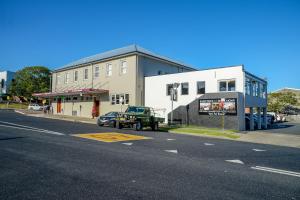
(204, 97)
(106, 82)
(6, 78)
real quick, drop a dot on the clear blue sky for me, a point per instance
(262, 35)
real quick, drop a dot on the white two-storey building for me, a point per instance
(204, 96)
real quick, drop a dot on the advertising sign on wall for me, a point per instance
(224, 106)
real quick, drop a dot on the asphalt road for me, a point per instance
(291, 128)
(53, 164)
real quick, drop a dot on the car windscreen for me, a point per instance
(135, 109)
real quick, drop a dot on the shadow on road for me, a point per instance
(11, 138)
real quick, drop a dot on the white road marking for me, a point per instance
(172, 151)
(19, 112)
(209, 144)
(29, 127)
(258, 150)
(236, 161)
(32, 129)
(128, 144)
(170, 139)
(278, 171)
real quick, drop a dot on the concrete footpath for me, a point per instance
(260, 137)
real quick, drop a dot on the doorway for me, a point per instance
(97, 107)
(58, 108)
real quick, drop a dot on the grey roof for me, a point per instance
(119, 52)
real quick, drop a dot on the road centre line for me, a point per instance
(29, 129)
(279, 171)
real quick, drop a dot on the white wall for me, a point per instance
(156, 92)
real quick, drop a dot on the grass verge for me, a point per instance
(195, 130)
(13, 106)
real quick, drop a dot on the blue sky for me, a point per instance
(262, 35)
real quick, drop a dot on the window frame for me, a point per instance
(108, 68)
(97, 72)
(226, 88)
(85, 74)
(182, 88)
(76, 76)
(67, 77)
(197, 89)
(122, 67)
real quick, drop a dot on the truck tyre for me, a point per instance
(119, 125)
(138, 126)
(155, 126)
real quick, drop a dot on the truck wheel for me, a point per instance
(155, 127)
(138, 126)
(119, 125)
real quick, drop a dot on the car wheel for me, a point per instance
(138, 126)
(155, 126)
(119, 125)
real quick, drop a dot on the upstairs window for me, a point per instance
(108, 69)
(96, 73)
(226, 85)
(76, 76)
(184, 88)
(248, 86)
(67, 77)
(231, 85)
(123, 67)
(201, 87)
(86, 74)
(169, 88)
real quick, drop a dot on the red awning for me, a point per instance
(71, 92)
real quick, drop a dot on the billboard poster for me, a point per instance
(224, 106)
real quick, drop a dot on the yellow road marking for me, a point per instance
(111, 137)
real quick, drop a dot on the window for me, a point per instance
(255, 88)
(169, 87)
(222, 86)
(113, 99)
(227, 85)
(248, 86)
(58, 79)
(122, 99)
(231, 85)
(96, 74)
(76, 76)
(123, 67)
(116, 99)
(67, 77)
(201, 87)
(108, 69)
(184, 88)
(86, 74)
(126, 98)
(264, 91)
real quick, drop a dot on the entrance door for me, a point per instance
(58, 108)
(97, 106)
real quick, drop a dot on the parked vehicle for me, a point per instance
(138, 117)
(35, 107)
(109, 119)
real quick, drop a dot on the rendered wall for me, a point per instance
(155, 86)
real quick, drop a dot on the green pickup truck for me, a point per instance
(138, 117)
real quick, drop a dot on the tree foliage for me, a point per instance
(30, 80)
(279, 100)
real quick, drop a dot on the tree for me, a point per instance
(279, 100)
(30, 80)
